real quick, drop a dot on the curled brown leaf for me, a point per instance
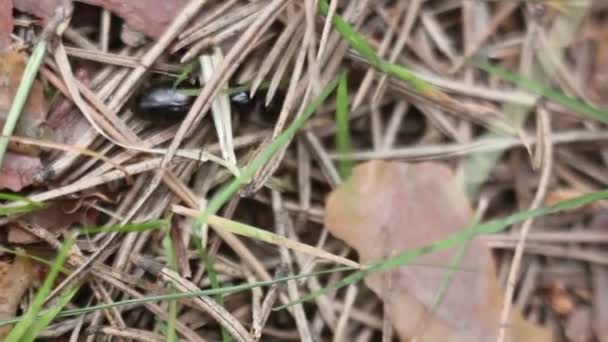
(150, 17)
(390, 207)
(6, 23)
(15, 279)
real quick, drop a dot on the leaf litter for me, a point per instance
(15, 279)
(20, 167)
(390, 207)
(419, 99)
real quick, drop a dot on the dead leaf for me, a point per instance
(43, 9)
(18, 171)
(562, 302)
(67, 123)
(15, 279)
(32, 119)
(150, 17)
(578, 325)
(6, 23)
(56, 218)
(389, 207)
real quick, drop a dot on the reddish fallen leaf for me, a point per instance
(599, 75)
(32, 119)
(54, 219)
(562, 302)
(43, 9)
(15, 279)
(18, 170)
(6, 23)
(578, 325)
(150, 17)
(389, 207)
(65, 120)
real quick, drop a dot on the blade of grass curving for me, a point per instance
(30, 316)
(456, 239)
(172, 264)
(354, 39)
(215, 284)
(359, 44)
(201, 246)
(183, 295)
(127, 228)
(453, 267)
(32, 257)
(247, 173)
(49, 315)
(343, 142)
(29, 205)
(185, 73)
(16, 198)
(545, 91)
(29, 75)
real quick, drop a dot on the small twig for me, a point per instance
(547, 161)
(341, 328)
(223, 224)
(130, 333)
(221, 315)
(267, 304)
(282, 220)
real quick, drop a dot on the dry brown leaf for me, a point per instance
(6, 23)
(33, 116)
(578, 325)
(389, 207)
(562, 302)
(67, 123)
(18, 169)
(40, 8)
(54, 219)
(150, 17)
(15, 279)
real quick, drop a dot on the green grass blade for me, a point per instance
(17, 198)
(172, 263)
(31, 315)
(353, 38)
(247, 173)
(456, 239)
(27, 207)
(29, 75)
(219, 298)
(23, 253)
(200, 243)
(406, 75)
(49, 315)
(127, 228)
(548, 92)
(453, 267)
(359, 44)
(343, 142)
(184, 295)
(185, 73)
